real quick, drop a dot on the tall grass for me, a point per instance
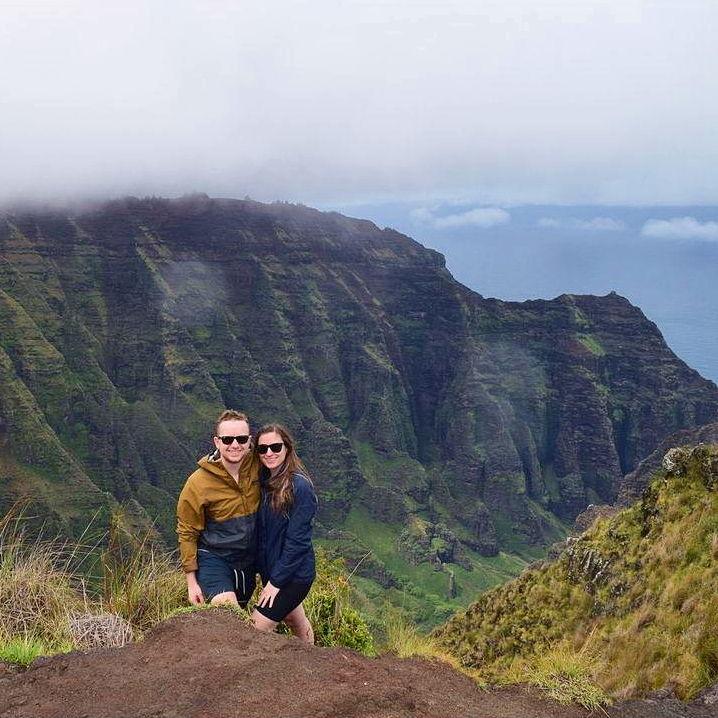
(50, 603)
(36, 587)
(140, 581)
(44, 587)
(404, 640)
(564, 674)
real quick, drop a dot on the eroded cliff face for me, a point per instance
(124, 330)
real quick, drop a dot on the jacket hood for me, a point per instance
(213, 463)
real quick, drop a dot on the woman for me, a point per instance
(285, 553)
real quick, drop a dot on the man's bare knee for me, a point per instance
(228, 598)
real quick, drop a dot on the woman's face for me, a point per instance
(272, 451)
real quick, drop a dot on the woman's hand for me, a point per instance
(269, 593)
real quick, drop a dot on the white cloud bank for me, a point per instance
(483, 217)
(680, 228)
(597, 224)
(499, 101)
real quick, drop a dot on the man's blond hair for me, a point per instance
(229, 415)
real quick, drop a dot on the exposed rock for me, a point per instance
(591, 514)
(634, 483)
(708, 696)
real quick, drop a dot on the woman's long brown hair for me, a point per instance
(279, 486)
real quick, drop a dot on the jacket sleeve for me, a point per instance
(298, 538)
(190, 521)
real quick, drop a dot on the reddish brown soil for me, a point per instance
(210, 665)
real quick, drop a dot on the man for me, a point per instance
(216, 517)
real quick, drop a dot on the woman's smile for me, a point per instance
(272, 451)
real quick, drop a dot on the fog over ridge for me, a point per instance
(522, 101)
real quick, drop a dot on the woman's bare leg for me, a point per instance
(299, 624)
(262, 623)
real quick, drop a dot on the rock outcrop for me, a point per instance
(632, 486)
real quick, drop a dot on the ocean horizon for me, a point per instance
(543, 251)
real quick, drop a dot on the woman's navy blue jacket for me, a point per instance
(285, 551)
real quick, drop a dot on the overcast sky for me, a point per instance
(554, 101)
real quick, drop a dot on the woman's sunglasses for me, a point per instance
(276, 448)
(227, 440)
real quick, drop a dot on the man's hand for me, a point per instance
(269, 593)
(194, 592)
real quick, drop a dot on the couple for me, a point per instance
(249, 507)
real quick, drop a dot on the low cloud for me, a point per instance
(680, 228)
(597, 224)
(483, 217)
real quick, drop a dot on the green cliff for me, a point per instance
(443, 428)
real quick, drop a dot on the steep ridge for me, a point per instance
(634, 599)
(440, 425)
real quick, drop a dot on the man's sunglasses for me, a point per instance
(276, 448)
(227, 440)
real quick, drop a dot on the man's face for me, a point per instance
(234, 452)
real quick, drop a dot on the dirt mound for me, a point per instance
(211, 665)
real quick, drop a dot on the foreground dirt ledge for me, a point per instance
(210, 664)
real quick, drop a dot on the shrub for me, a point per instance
(103, 630)
(328, 609)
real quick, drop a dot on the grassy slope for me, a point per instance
(375, 533)
(637, 595)
(422, 591)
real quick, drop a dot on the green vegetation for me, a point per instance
(563, 674)
(592, 344)
(22, 651)
(405, 641)
(139, 581)
(328, 607)
(51, 605)
(421, 590)
(632, 604)
(37, 594)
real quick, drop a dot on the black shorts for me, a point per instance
(215, 576)
(285, 601)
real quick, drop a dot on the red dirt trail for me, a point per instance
(211, 665)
